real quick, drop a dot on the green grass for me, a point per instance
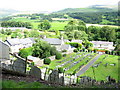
(101, 72)
(79, 64)
(54, 25)
(58, 25)
(22, 84)
(54, 63)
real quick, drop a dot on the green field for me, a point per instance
(101, 72)
(55, 25)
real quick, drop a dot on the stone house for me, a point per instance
(4, 50)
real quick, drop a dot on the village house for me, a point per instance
(103, 45)
(16, 44)
(58, 43)
(4, 51)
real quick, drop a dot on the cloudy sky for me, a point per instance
(51, 5)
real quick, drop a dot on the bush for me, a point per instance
(83, 49)
(47, 61)
(75, 50)
(60, 70)
(64, 55)
(89, 50)
(58, 56)
(106, 52)
(64, 50)
(95, 50)
(25, 52)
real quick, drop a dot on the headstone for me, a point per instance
(54, 77)
(35, 71)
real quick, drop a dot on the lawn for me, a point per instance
(22, 84)
(101, 72)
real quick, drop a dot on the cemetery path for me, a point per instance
(88, 65)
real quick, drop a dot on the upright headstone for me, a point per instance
(35, 71)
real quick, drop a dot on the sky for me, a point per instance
(51, 5)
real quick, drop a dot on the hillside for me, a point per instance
(93, 8)
(6, 12)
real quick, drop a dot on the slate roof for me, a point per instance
(25, 41)
(78, 41)
(65, 47)
(53, 41)
(102, 42)
(16, 41)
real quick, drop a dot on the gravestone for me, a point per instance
(35, 71)
(19, 65)
(54, 77)
(61, 80)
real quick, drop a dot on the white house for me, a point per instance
(103, 45)
(16, 44)
(4, 51)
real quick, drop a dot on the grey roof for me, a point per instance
(101, 42)
(16, 41)
(65, 47)
(78, 41)
(53, 41)
(25, 41)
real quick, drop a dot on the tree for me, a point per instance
(80, 35)
(87, 44)
(45, 25)
(34, 33)
(47, 61)
(25, 52)
(42, 49)
(60, 70)
(58, 55)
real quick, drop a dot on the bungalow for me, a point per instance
(4, 51)
(103, 45)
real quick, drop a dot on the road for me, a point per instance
(88, 65)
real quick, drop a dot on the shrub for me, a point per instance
(89, 50)
(64, 55)
(83, 49)
(60, 70)
(75, 50)
(95, 50)
(106, 52)
(64, 50)
(58, 56)
(47, 61)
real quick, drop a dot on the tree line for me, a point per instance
(16, 24)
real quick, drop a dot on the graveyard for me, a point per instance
(105, 65)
